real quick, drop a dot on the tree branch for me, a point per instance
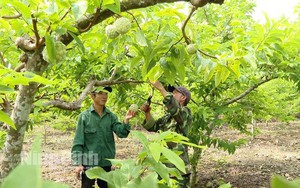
(247, 92)
(87, 90)
(36, 32)
(125, 6)
(20, 67)
(12, 17)
(3, 60)
(187, 40)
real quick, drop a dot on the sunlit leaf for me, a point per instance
(174, 159)
(78, 41)
(6, 119)
(50, 47)
(79, 8)
(140, 38)
(155, 149)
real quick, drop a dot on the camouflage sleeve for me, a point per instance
(149, 124)
(181, 114)
(152, 124)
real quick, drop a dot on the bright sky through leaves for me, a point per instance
(275, 9)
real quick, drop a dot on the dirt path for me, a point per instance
(276, 150)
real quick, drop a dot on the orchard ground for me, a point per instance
(275, 150)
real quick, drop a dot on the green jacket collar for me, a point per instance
(105, 111)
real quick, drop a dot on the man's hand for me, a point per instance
(160, 87)
(145, 108)
(78, 169)
(130, 114)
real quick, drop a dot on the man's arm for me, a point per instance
(78, 142)
(160, 88)
(77, 148)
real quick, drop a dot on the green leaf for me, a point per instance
(6, 89)
(114, 6)
(22, 8)
(218, 75)
(26, 175)
(160, 168)
(119, 179)
(50, 47)
(36, 78)
(135, 62)
(78, 41)
(279, 182)
(155, 149)
(140, 38)
(49, 184)
(174, 159)
(51, 8)
(142, 138)
(208, 74)
(79, 8)
(225, 73)
(96, 172)
(150, 179)
(193, 145)
(235, 67)
(175, 172)
(227, 185)
(29, 173)
(155, 73)
(6, 119)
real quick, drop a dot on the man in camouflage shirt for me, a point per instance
(177, 118)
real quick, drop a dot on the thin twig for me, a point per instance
(174, 45)
(206, 54)
(137, 23)
(36, 32)
(92, 22)
(187, 40)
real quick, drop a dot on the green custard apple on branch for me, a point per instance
(111, 31)
(119, 27)
(191, 49)
(134, 108)
(122, 25)
(60, 52)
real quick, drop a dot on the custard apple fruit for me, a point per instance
(60, 52)
(111, 31)
(134, 108)
(122, 25)
(191, 49)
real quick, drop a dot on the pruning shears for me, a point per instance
(149, 99)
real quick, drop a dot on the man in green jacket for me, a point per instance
(94, 139)
(177, 118)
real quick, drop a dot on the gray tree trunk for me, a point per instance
(20, 114)
(14, 139)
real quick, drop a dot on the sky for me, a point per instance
(275, 8)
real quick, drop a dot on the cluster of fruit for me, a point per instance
(119, 27)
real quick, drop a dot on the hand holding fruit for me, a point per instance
(132, 112)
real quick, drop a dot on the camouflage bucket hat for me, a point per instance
(183, 91)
